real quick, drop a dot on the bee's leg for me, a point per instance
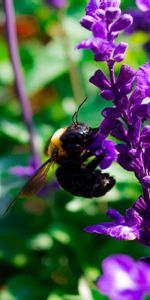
(95, 162)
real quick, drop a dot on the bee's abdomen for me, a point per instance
(79, 182)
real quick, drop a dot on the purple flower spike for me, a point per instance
(125, 118)
(124, 279)
(103, 18)
(144, 5)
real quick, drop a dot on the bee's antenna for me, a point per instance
(75, 115)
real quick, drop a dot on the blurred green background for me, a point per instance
(44, 253)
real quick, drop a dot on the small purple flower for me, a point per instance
(103, 18)
(124, 279)
(124, 81)
(25, 171)
(105, 148)
(56, 3)
(135, 224)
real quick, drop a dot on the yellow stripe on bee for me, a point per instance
(56, 145)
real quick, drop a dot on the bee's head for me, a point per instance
(78, 135)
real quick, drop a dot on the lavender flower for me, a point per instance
(135, 224)
(124, 279)
(133, 153)
(125, 120)
(103, 18)
(25, 171)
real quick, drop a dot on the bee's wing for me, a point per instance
(36, 181)
(33, 185)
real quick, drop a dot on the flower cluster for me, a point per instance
(127, 119)
(105, 21)
(124, 279)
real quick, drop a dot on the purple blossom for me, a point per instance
(104, 20)
(105, 148)
(135, 224)
(25, 171)
(124, 279)
(129, 110)
(124, 120)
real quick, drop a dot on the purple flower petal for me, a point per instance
(143, 78)
(99, 79)
(123, 22)
(107, 94)
(87, 21)
(110, 154)
(145, 134)
(123, 278)
(126, 76)
(135, 224)
(119, 232)
(119, 132)
(142, 110)
(112, 13)
(99, 30)
(120, 50)
(137, 96)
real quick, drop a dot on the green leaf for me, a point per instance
(15, 131)
(49, 64)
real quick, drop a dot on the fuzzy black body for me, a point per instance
(80, 182)
(73, 174)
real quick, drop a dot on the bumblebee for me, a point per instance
(68, 149)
